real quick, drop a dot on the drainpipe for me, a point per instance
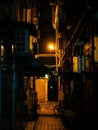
(94, 83)
(13, 97)
(14, 10)
(56, 45)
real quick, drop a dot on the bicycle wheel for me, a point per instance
(56, 110)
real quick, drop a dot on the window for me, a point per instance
(21, 40)
(78, 50)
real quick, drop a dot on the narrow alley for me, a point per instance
(46, 119)
(48, 64)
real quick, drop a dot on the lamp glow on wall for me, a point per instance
(2, 52)
(96, 48)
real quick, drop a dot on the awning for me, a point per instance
(34, 68)
(30, 66)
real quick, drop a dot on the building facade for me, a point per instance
(76, 38)
(18, 42)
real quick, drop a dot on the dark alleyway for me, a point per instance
(31, 72)
(46, 119)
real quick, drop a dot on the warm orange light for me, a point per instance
(2, 50)
(12, 49)
(51, 46)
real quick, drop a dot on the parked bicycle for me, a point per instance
(58, 108)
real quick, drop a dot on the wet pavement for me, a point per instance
(46, 119)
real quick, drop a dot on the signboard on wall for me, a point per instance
(75, 64)
(78, 64)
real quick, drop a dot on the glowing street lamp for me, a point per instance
(51, 46)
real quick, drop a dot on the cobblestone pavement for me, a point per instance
(47, 108)
(46, 119)
(49, 123)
